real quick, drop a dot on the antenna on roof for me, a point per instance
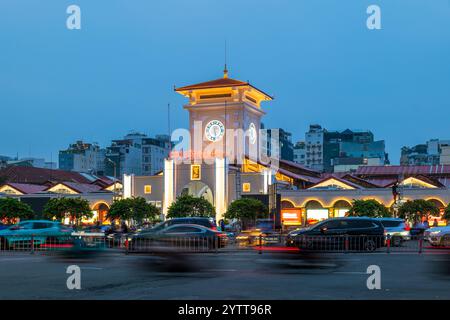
(225, 70)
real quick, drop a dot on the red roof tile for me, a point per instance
(27, 188)
(32, 175)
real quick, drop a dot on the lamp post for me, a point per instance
(115, 176)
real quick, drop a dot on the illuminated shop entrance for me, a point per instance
(315, 212)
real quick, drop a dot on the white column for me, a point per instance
(221, 173)
(169, 175)
(128, 185)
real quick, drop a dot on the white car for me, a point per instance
(439, 236)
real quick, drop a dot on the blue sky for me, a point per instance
(316, 57)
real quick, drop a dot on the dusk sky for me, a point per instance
(316, 57)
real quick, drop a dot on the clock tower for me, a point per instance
(224, 121)
(224, 116)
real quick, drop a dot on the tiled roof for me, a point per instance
(32, 175)
(82, 187)
(403, 170)
(218, 83)
(27, 188)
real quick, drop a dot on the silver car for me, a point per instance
(439, 236)
(397, 229)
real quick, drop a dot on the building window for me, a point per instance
(196, 172)
(147, 189)
(246, 187)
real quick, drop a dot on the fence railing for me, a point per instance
(127, 243)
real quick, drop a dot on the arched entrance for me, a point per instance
(315, 212)
(100, 210)
(340, 208)
(199, 189)
(437, 219)
(290, 215)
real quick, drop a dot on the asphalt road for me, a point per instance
(230, 275)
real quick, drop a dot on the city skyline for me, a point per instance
(117, 74)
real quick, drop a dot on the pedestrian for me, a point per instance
(435, 223)
(222, 225)
(426, 225)
(124, 227)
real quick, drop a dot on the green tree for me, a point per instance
(136, 209)
(416, 209)
(447, 213)
(12, 209)
(189, 206)
(75, 208)
(246, 210)
(368, 208)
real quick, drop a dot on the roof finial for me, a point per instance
(225, 70)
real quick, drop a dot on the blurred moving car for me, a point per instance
(262, 233)
(202, 221)
(440, 237)
(427, 233)
(179, 236)
(397, 229)
(41, 231)
(3, 226)
(362, 233)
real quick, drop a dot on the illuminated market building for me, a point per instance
(207, 165)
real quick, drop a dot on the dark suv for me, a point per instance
(348, 233)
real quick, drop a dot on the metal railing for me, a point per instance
(127, 243)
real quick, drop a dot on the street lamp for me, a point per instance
(115, 175)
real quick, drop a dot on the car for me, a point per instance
(202, 221)
(179, 236)
(440, 237)
(397, 229)
(41, 231)
(427, 232)
(345, 233)
(262, 233)
(3, 226)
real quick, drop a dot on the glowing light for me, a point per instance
(168, 184)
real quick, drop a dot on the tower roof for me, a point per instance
(221, 83)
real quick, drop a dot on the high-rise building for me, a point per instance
(154, 151)
(331, 151)
(300, 153)
(277, 143)
(137, 154)
(434, 152)
(82, 157)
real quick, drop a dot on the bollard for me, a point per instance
(260, 243)
(126, 245)
(420, 244)
(388, 243)
(32, 244)
(346, 243)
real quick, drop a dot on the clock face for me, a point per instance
(252, 133)
(214, 130)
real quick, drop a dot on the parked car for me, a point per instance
(179, 236)
(440, 237)
(397, 229)
(3, 226)
(353, 233)
(202, 221)
(41, 231)
(427, 233)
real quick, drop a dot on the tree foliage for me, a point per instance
(447, 213)
(75, 208)
(416, 209)
(12, 209)
(246, 209)
(136, 209)
(368, 208)
(190, 206)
